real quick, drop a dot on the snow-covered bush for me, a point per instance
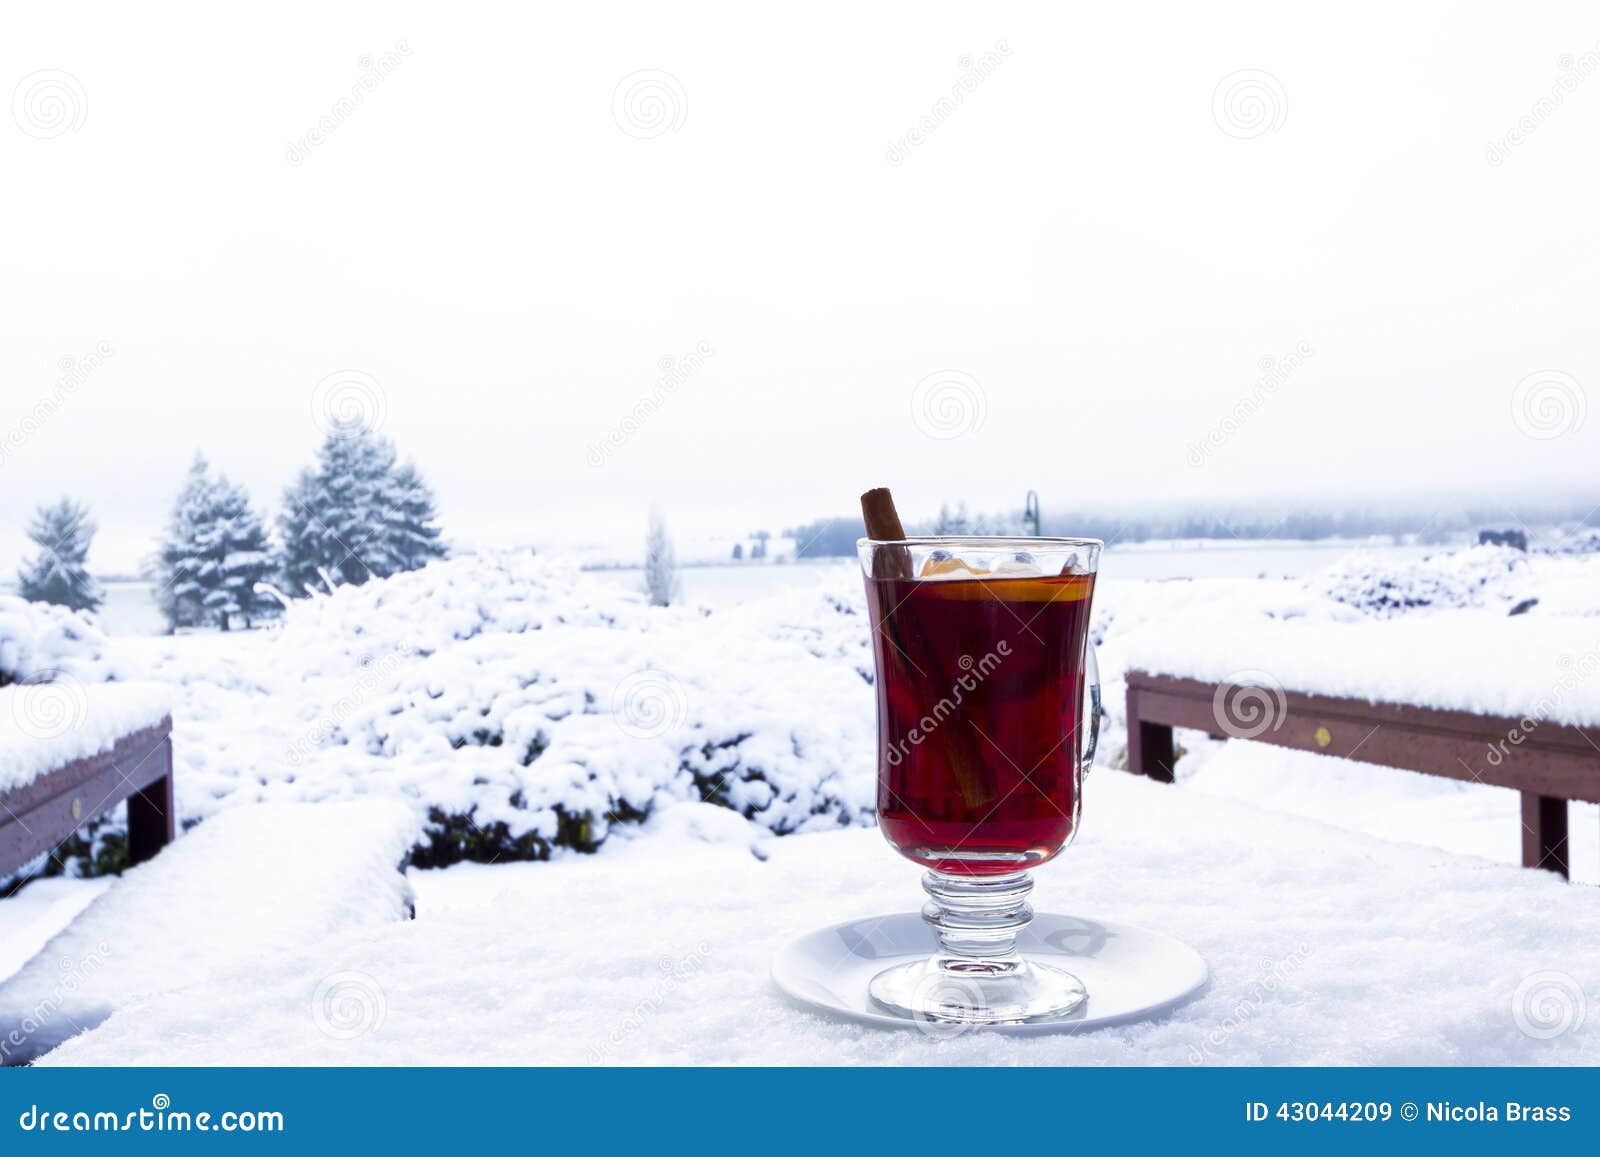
(1580, 541)
(567, 708)
(521, 707)
(524, 709)
(1476, 577)
(40, 641)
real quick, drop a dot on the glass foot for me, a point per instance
(977, 992)
(977, 976)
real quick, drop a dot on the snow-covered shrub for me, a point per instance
(39, 641)
(1580, 541)
(521, 707)
(562, 708)
(1475, 577)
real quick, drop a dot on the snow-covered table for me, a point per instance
(1325, 947)
(1512, 702)
(69, 751)
(242, 886)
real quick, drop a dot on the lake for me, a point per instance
(722, 585)
(130, 607)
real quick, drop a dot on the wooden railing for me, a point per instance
(1548, 763)
(37, 816)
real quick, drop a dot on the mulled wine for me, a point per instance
(980, 731)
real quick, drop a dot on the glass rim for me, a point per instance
(981, 541)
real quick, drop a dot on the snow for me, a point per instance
(520, 706)
(1434, 634)
(1543, 669)
(1450, 815)
(1483, 576)
(519, 709)
(248, 885)
(38, 640)
(36, 913)
(1325, 948)
(523, 708)
(44, 726)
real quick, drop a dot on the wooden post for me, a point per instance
(152, 813)
(1150, 751)
(1544, 832)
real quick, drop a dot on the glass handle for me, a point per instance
(1091, 692)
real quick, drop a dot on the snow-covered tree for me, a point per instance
(214, 554)
(332, 514)
(179, 595)
(58, 574)
(660, 561)
(356, 515)
(409, 527)
(239, 542)
(952, 522)
(299, 533)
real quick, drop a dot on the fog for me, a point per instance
(576, 262)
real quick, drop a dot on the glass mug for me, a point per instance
(988, 715)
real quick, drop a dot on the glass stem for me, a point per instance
(978, 917)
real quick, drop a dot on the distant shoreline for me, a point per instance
(7, 586)
(786, 560)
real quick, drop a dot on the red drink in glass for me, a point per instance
(980, 731)
(983, 666)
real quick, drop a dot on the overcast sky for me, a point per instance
(1067, 279)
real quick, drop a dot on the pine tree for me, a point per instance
(58, 573)
(237, 539)
(332, 520)
(356, 515)
(179, 592)
(413, 537)
(660, 562)
(298, 530)
(214, 554)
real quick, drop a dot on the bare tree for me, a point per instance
(660, 562)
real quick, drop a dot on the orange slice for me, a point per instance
(1049, 589)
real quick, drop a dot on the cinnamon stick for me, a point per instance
(878, 512)
(883, 524)
(972, 774)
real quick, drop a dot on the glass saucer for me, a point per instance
(1127, 973)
